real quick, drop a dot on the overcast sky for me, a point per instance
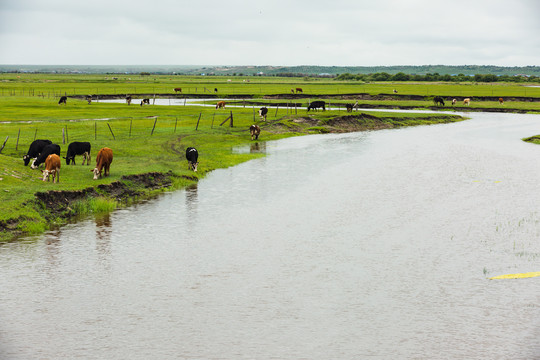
(277, 32)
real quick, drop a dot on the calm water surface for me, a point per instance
(367, 245)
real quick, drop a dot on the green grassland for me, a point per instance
(152, 139)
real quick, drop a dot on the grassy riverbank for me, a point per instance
(148, 152)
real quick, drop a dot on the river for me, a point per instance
(364, 245)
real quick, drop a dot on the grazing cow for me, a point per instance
(299, 90)
(466, 101)
(263, 112)
(192, 156)
(78, 148)
(255, 131)
(89, 99)
(63, 100)
(349, 107)
(177, 90)
(437, 100)
(395, 91)
(317, 104)
(47, 150)
(52, 166)
(454, 101)
(501, 101)
(220, 105)
(103, 162)
(145, 101)
(215, 90)
(36, 147)
(292, 90)
(128, 99)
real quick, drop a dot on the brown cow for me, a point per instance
(299, 90)
(176, 90)
(501, 101)
(103, 162)
(454, 101)
(466, 101)
(52, 166)
(220, 105)
(255, 131)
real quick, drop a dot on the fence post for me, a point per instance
(17, 144)
(95, 130)
(211, 127)
(5, 141)
(35, 134)
(152, 133)
(176, 122)
(130, 124)
(111, 131)
(63, 135)
(199, 119)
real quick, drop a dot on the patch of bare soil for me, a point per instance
(60, 204)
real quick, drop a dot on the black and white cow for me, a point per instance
(78, 148)
(192, 156)
(63, 100)
(145, 101)
(316, 104)
(262, 112)
(47, 150)
(36, 147)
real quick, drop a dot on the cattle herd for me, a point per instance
(45, 152)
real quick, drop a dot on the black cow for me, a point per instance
(145, 101)
(36, 147)
(349, 107)
(317, 104)
(437, 100)
(78, 148)
(63, 100)
(128, 99)
(192, 156)
(47, 150)
(262, 112)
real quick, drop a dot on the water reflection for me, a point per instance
(252, 148)
(103, 235)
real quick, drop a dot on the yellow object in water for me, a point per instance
(517, 276)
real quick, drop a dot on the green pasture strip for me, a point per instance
(55, 85)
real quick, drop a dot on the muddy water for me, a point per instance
(368, 245)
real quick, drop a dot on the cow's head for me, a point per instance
(193, 165)
(68, 159)
(46, 174)
(26, 159)
(97, 173)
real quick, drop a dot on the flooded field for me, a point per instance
(363, 245)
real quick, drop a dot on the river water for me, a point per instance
(365, 245)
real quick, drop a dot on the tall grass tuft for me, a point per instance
(94, 206)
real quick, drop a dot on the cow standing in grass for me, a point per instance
(63, 100)
(47, 150)
(467, 101)
(255, 131)
(145, 101)
(317, 104)
(128, 99)
(52, 167)
(263, 112)
(36, 147)
(103, 162)
(192, 156)
(437, 100)
(501, 101)
(177, 90)
(78, 148)
(220, 105)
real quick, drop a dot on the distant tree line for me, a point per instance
(383, 76)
